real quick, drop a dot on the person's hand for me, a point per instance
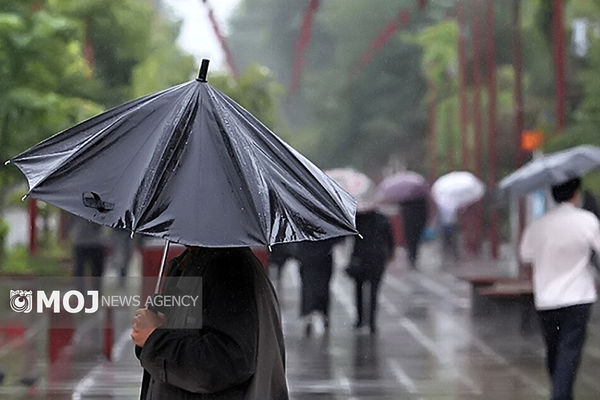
(144, 323)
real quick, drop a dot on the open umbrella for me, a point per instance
(354, 182)
(189, 165)
(457, 189)
(402, 186)
(551, 169)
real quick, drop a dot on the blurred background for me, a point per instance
(381, 86)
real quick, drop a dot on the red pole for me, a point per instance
(477, 84)
(433, 173)
(221, 39)
(518, 88)
(519, 107)
(383, 36)
(492, 145)
(559, 62)
(450, 151)
(301, 45)
(477, 123)
(108, 334)
(462, 93)
(33, 239)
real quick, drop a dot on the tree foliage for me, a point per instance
(62, 61)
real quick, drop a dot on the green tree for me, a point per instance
(41, 67)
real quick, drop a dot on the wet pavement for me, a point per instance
(429, 346)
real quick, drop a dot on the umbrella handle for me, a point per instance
(162, 267)
(160, 274)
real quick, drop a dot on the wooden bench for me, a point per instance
(516, 291)
(479, 282)
(502, 296)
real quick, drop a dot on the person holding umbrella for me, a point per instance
(411, 192)
(558, 246)
(201, 171)
(229, 348)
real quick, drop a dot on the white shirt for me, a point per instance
(559, 245)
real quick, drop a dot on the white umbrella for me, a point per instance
(457, 189)
(551, 169)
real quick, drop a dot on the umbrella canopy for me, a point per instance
(403, 186)
(551, 169)
(189, 165)
(457, 189)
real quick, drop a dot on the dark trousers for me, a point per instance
(414, 219)
(373, 292)
(564, 331)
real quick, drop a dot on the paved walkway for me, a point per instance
(429, 346)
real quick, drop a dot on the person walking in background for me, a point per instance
(88, 249)
(316, 268)
(279, 255)
(122, 249)
(414, 219)
(367, 263)
(448, 225)
(558, 245)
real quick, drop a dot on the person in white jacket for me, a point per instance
(558, 247)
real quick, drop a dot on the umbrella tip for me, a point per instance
(131, 236)
(360, 236)
(203, 70)
(6, 162)
(270, 249)
(25, 197)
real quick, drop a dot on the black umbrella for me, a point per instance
(190, 165)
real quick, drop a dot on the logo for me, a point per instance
(21, 301)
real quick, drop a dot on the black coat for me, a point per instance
(236, 352)
(373, 251)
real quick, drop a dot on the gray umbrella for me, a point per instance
(551, 169)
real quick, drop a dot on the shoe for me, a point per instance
(373, 329)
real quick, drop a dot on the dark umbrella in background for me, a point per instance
(189, 165)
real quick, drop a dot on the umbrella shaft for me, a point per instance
(162, 267)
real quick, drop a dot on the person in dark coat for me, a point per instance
(414, 219)
(316, 268)
(229, 347)
(369, 258)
